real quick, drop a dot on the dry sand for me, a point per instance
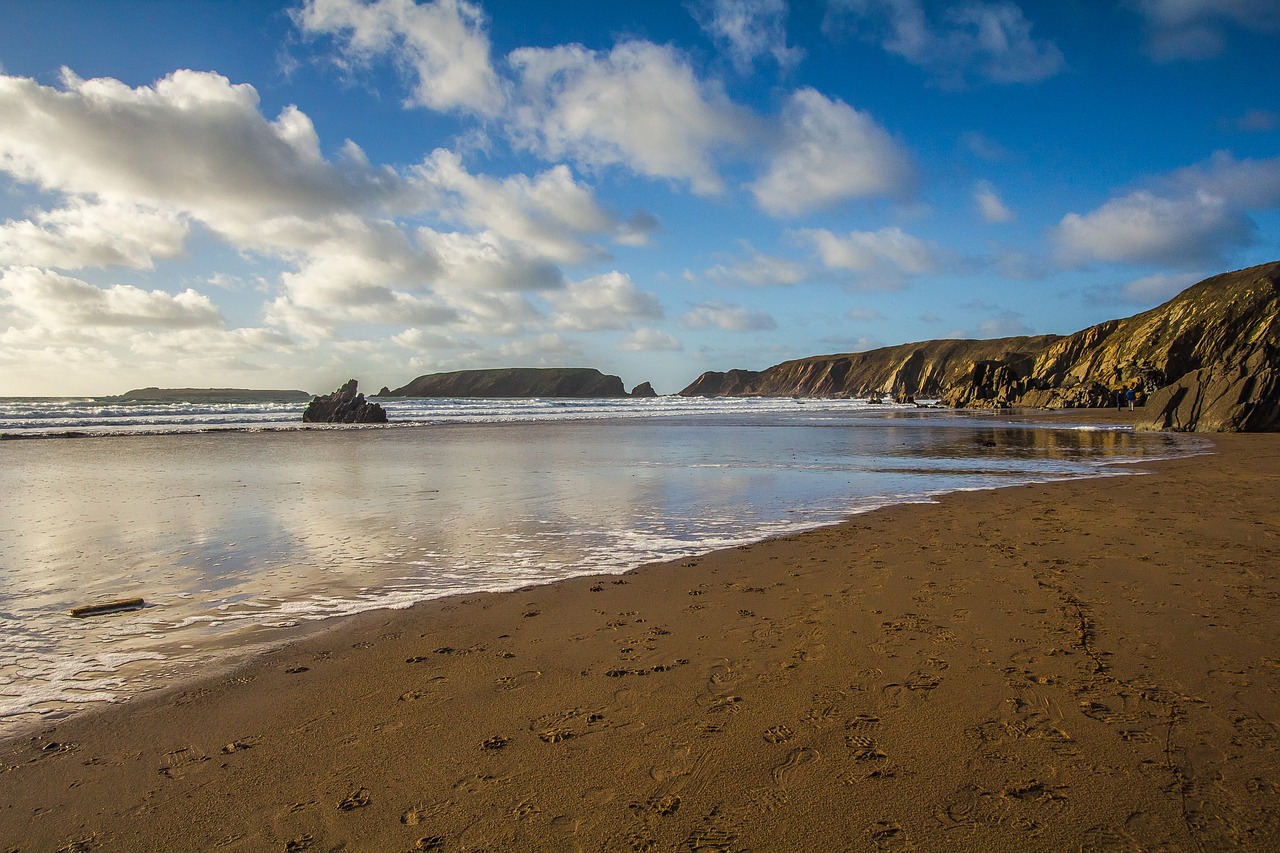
(1091, 665)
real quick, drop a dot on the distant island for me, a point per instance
(579, 382)
(207, 395)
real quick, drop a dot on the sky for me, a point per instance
(288, 195)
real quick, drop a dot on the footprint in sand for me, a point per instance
(357, 799)
(886, 835)
(778, 734)
(797, 757)
(515, 682)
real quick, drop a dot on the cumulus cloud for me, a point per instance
(93, 234)
(747, 30)
(989, 203)
(1191, 217)
(639, 106)
(609, 301)
(759, 270)
(550, 348)
(882, 258)
(988, 40)
(730, 318)
(443, 45)
(1197, 29)
(830, 153)
(1146, 228)
(192, 143)
(55, 301)
(544, 214)
(649, 340)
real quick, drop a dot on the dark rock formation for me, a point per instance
(344, 406)
(1225, 397)
(644, 389)
(208, 395)
(1206, 358)
(515, 382)
(385, 392)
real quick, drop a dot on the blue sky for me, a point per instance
(269, 195)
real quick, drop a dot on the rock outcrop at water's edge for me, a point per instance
(1206, 359)
(344, 406)
(644, 389)
(514, 382)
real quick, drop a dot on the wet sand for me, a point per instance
(1088, 665)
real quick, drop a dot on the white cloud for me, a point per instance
(989, 204)
(1143, 228)
(192, 144)
(649, 340)
(1191, 217)
(880, 257)
(1247, 184)
(991, 40)
(54, 301)
(830, 153)
(545, 349)
(543, 214)
(609, 301)
(639, 106)
(749, 29)
(1005, 324)
(88, 234)
(759, 270)
(730, 318)
(863, 315)
(1197, 29)
(1143, 292)
(443, 45)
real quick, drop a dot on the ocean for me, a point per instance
(239, 527)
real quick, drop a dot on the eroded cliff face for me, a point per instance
(927, 369)
(514, 382)
(1214, 349)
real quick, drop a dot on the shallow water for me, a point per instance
(233, 538)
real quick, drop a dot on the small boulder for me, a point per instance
(344, 406)
(644, 389)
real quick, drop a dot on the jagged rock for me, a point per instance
(344, 406)
(644, 389)
(990, 383)
(515, 382)
(1239, 397)
(385, 392)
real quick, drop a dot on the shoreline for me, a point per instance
(988, 669)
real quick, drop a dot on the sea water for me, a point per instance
(237, 531)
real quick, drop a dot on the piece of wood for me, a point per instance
(116, 606)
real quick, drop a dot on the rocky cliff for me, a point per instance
(1209, 359)
(929, 369)
(514, 382)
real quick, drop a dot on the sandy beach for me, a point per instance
(1087, 665)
